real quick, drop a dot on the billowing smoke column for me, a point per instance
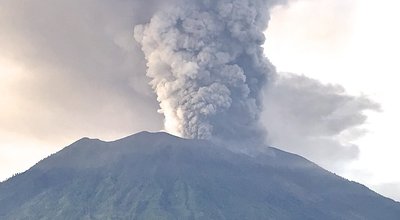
(207, 66)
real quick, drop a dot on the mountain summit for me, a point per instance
(160, 176)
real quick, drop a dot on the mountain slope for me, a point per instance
(159, 176)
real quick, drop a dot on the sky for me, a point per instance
(70, 69)
(354, 44)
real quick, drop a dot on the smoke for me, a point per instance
(81, 74)
(207, 66)
(319, 121)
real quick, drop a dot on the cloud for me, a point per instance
(316, 120)
(207, 66)
(72, 68)
(80, 73)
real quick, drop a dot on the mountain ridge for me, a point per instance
(160, 176)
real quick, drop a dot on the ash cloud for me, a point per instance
(207, 66)
(84, 75)
(313, 119)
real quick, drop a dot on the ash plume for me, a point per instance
(207, 66)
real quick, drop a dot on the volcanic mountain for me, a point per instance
(160, 176)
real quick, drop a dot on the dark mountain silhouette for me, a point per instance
(159, 176)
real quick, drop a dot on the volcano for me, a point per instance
(160, 176)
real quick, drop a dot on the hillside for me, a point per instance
(160, 176)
